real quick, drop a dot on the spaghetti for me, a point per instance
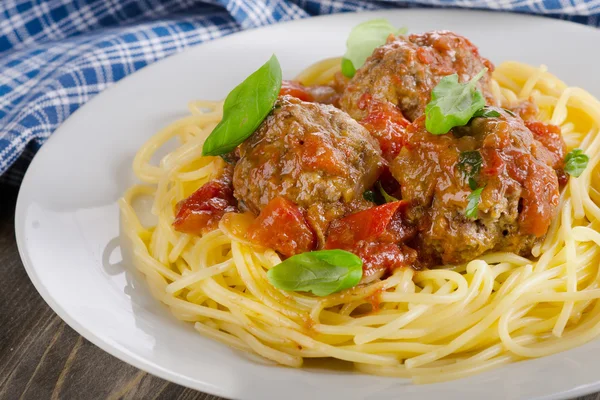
(431, 325)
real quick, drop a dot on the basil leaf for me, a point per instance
(575, 162)
(363, 39)
(386, 196)
(474, 199)
(321, 272)
(453, 103)
(348, 68)
(486, 113)
(369, 195)
(472, 184)
(469, 162)
(512, 114)
(246, 106)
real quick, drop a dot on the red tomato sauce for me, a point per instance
(385, 122)
(376, 236)
(295, 89)
(281, 226)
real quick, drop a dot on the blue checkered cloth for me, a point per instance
(55, 55)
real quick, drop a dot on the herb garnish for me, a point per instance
(453, 103)
(388, 198)
(321, 272)
(486, 113)
(371, 195)
(474, 199)
(469, 162)
(363, 39)
(575, 162)
(245, 107)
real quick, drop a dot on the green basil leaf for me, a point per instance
(575, 162)
(369, 195)
(469, 162)
(512, 114)
(474, 199)
(348, 68)
(246, 106)
(321, 272)
(386, 196)
(472, 184)
(363, 39)
(486, 113)
(453, 103)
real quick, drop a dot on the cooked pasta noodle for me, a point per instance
(431, 325)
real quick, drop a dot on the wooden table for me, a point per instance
(42, 358)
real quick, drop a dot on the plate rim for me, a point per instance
(124, 354)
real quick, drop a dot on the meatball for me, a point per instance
(405, 70)
(437, 173)
(312, 154)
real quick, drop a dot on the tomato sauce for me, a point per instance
(376, 236)
(281, 226)
(202, 211)
(385, 122)
(295, 89)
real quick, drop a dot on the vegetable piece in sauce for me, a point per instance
(388, 198)
(281, 226)
(202, 211)
(469, 163)
(376, 235)
(385, 123)
(296, 90)
(321, 272)
(575, 162)
(245, 107)
(453, 103)
(487, 113)
(474, 199)
(363, 39)
(372, 196)
(550, 136)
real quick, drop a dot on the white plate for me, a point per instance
(67, 223)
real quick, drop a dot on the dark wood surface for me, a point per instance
(43, 358)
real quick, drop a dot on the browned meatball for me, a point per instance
(520, 188)
(314, 155)
(405, 70)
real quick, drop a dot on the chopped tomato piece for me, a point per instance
(202, 211)
(385, 123)
(550, 136)
(540, 129)
(295, 89)
(563, 177)
(492, 161)
(368, 225)
(375, 235)
(424, 55)
(538, 202)
(388, 256)
(281, 226)
(317, 157)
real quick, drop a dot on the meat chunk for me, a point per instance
(501, 155)
(313, 155)
(406, 69)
